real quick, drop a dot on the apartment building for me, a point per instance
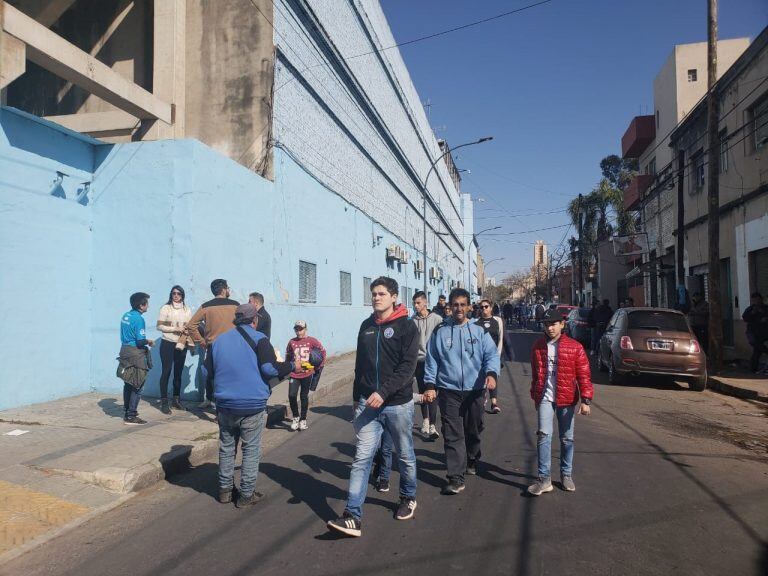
(742, 163)
(677, 88)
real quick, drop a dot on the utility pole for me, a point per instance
(581, 254)
(713, 197)
(680, 221)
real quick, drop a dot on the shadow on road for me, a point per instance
(343, 412)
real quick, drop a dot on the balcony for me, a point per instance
(641, 132)
(636, 190)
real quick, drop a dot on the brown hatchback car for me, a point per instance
(652, 341)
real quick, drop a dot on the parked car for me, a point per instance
(577, 326)
(652, 341)
(565, 309)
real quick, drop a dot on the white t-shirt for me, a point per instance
(549, 391)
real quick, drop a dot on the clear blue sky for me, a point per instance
(555, 85)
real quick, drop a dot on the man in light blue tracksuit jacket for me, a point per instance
(462, 361)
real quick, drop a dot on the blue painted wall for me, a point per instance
(83, 225)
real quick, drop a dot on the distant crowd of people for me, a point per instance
(453, 352)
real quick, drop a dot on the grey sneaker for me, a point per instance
(568, 484)
(454, 486)
(243, 501)
(406, 509)
(538, 488)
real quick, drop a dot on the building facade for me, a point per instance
(651, 195)
(742, 164)
(146, 144)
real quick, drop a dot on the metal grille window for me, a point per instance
(345, 288)
(760, 119)
(307, 282)
(367, 291)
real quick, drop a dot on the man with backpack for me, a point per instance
(242, 362)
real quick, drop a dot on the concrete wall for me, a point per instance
(157, 214)
(358, 125)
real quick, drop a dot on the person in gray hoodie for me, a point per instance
(426, 322)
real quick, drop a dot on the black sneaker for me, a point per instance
(347, 524)
(243, 501)
(471, 468)
(133, 421)
(225, 496)
(453, 487)
(405, 509)
(166, 407)
(382, 485)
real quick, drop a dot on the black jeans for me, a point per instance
(294, 386)
(209, 377)
(171, 358)
(428, 410)
(462, 417)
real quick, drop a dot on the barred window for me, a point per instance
(345, 288)
(307, 282)
(367, 291)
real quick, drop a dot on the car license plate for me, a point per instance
(660, 345)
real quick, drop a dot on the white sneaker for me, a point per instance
(425, 427)
(303, 425)
(294, 424)
(433, 433)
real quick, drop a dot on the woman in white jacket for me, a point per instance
(172, 323)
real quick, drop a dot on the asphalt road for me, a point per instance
(669, 481)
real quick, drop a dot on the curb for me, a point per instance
(183, 458)
(737, 392)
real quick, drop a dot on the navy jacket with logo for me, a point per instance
(386, 358)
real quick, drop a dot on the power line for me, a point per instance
(450, 30)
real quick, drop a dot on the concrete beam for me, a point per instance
(13, 59)
(58, 56)
(169, 65)
(47, 12)
(92, 122)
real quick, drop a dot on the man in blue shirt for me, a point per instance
(134, 357)
(462, 362)
(244, 367)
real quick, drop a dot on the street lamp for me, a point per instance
(494, 260)
(424, 195)
(486, 230)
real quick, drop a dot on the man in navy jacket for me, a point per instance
(462, 361)
(243, 362)
(387, 350)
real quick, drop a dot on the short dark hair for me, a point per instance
(139, 299)
(389, 283)
(419, 294)
(258, 297)
(458, 293)
(218, 286)
(441, 296)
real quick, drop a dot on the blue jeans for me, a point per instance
(387, 446)
(131, 398)
(547, 413)
(248, 430)
(369, 427)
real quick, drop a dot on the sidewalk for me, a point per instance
(65, 461)
(741, 384)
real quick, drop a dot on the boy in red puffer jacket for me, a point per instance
(560, 378)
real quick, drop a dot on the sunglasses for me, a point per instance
(298, 328)
(484, 306)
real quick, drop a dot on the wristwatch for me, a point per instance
(586, 401)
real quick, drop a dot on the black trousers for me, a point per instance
(428, 410)
(462, 418)
(209, 378)
(758, 348)
(294, 386)
(171, 359)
